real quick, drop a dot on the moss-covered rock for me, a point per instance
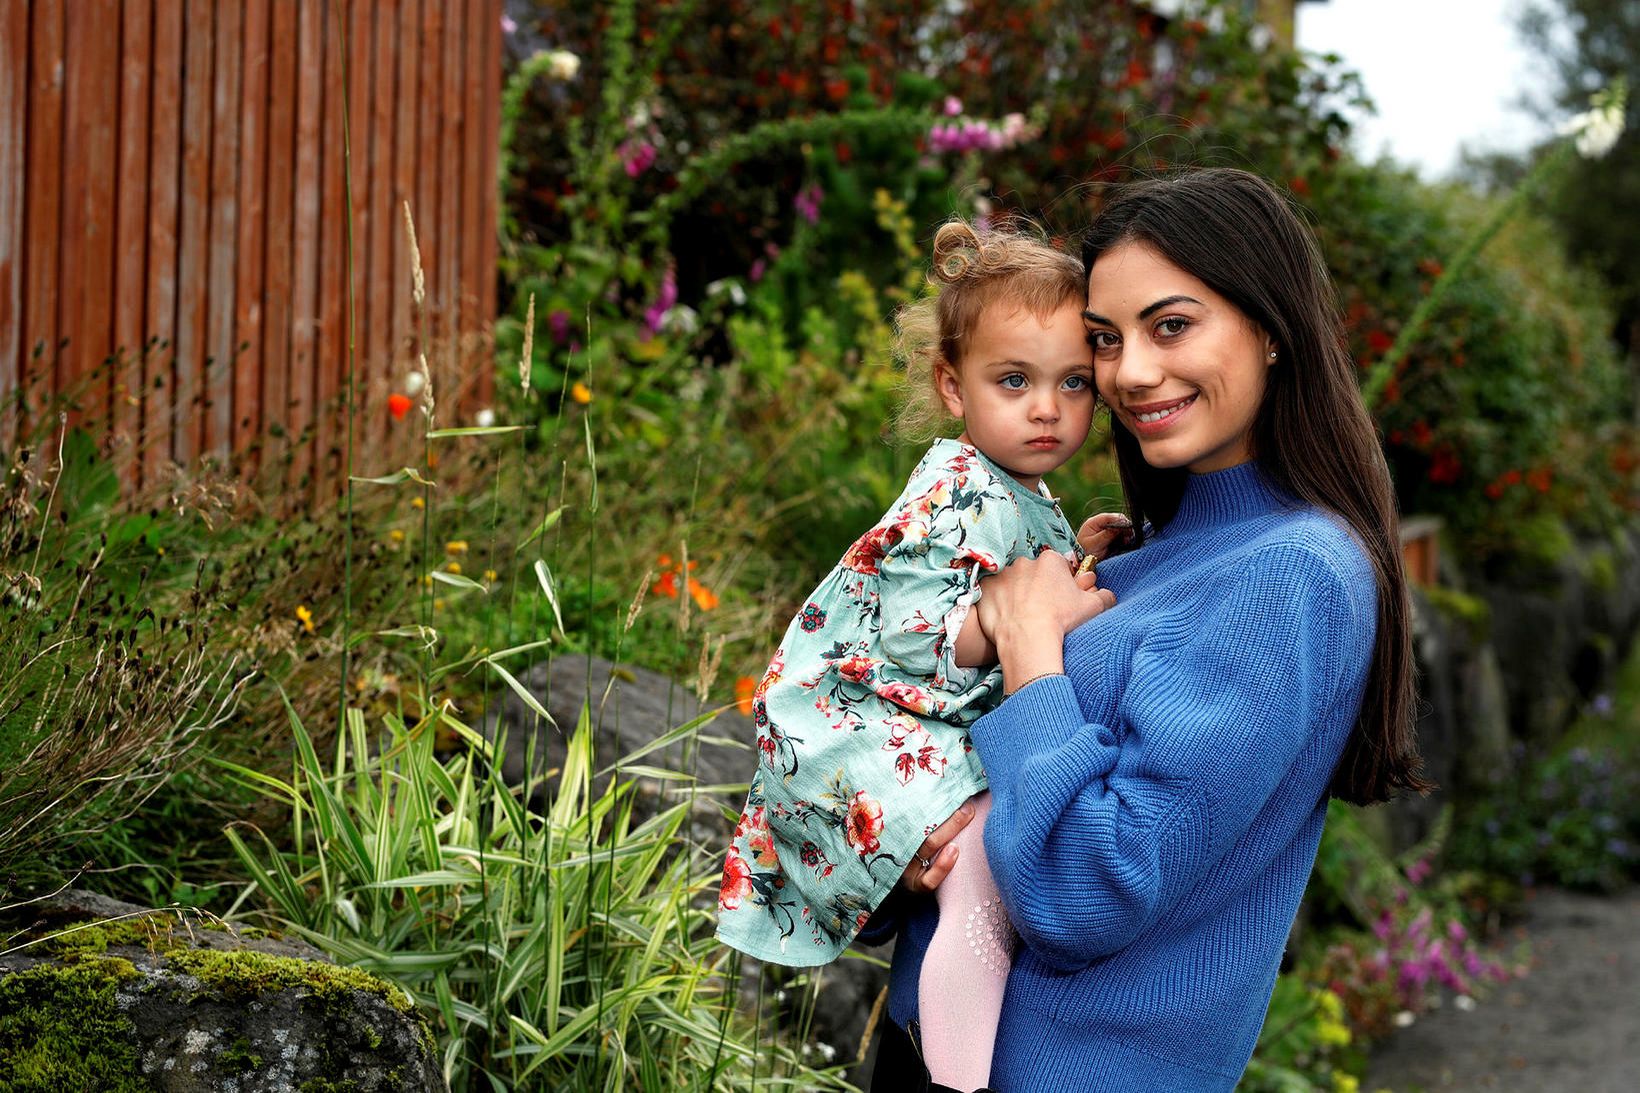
(137, 1006)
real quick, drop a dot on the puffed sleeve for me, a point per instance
(1097, 830)
(961, 528)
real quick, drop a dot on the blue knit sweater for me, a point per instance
(1156, 811)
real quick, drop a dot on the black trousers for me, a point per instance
(899, 1066)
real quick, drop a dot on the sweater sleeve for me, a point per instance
(1096, 830)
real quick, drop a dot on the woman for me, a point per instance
(1160, 770)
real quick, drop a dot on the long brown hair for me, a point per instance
(1312, 437)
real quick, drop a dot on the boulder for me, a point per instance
(156, 1002)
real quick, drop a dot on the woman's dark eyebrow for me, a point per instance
(1092, 317)
(1165, 302)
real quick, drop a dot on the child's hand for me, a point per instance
(1101, 532)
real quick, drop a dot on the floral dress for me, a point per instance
(862, 716)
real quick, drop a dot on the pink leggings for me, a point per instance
(965, 970)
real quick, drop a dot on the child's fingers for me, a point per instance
(1102, 531)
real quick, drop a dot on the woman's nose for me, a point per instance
(1138, 368)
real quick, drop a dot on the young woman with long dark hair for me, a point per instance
(1160, 770)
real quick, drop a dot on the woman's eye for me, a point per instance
(1013, 381)
(1172, 326)
(1102, 339)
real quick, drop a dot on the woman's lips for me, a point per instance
(1153, 418)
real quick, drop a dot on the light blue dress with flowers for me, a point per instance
(863, 715)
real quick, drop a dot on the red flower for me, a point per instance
(1539, 479)
(737, 881)
(1378, 341)
(398, 405)
(865, 823)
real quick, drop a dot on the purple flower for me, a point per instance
(758, 268)
(637, 156)
(953, 106)
(655, 314)
(558, 324)
(1602, 705)
(807, 202)
(508, 25)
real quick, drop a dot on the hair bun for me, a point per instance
(957, 252)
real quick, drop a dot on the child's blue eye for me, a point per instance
(1013, 381)
(1077, 383)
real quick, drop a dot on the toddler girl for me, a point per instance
(862, 716)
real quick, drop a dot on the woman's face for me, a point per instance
(1181, 367)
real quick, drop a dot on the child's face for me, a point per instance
(1024, 388)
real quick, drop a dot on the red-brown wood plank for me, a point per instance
(385, 223)
(131, 224)
(354, 352)
(221, 343)
(332, 315)
(93, 114)
(14, 56)
(432, 157)
(194, 256)
(406, 153)
(281, 167)
(309, 90)
(442, 356)
(164, 234)
(479, 29)
(250, 285)
(44, 195)
(489, 223)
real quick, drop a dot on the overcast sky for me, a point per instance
(1443, 73)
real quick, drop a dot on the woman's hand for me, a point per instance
(1028, 608)
(1102, 531)
(936, 855)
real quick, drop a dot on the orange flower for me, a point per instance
(398, 405)
(667, 586)
(580, 392)
(745, 691)
(704, 597)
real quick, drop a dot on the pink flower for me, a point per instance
(865, 823)
(807, 202)
(508, 24)
(655, 314)
(637, 156)
(953, 106)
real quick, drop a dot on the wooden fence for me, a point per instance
(173, 200)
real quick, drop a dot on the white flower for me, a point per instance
(730, 287)
(485, 418)
(562, 64)
(1596, 129)
(1404, 1019)
(827, 1052)
(680, 319)
(1464, 1002)
(413, 383)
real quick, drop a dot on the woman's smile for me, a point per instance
(1154, 417)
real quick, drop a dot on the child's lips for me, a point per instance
(1045, 443)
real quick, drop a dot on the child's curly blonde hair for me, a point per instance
(1010, 263)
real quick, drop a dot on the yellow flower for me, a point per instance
(453, 567)
(416, 502)
(489, 576)
(456, 546)
(161, 552)
(438, 605)
(396, 535)
(580, 392)
(1343, 1082)
(306, 617)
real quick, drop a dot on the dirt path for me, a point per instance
(1572, 1025)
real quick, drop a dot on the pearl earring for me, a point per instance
(1272, 354)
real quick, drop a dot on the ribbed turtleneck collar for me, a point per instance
(1225, 497)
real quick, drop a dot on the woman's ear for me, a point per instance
(949, 385)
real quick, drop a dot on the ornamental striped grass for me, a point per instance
(563, 947)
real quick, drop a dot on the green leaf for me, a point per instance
(474, 430)
(457, 580)
(403, 474)
(541, 529)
